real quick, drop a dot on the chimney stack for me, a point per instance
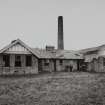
(60, 33)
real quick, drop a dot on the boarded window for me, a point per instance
(28, 60)
(6, 60)
(17, 61)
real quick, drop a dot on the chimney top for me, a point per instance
(60, 16)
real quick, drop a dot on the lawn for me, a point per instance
(54, 89)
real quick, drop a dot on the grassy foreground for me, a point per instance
(54, 89)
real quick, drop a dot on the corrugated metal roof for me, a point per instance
(67, 54)
(43, 53)
(58, 54)
(91, 49)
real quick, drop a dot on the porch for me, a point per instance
(18, 64)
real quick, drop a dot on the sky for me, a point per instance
(35, 22)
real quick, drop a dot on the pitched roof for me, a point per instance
(58, 54)
(91, 49)
(22, 43)
(68, 54)
(43, 54)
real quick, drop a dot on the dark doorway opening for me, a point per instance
(28, 60)
(6, 60)
(17, 61)
(39, 65)
(54, 65)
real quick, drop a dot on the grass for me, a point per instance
(54, 89)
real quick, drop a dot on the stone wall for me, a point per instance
(59, 67)
(101, 67)
(96, 65)
(95, 60)
(66, 63)
(47, 67)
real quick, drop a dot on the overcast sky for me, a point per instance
(35, 22)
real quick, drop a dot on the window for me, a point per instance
(17, 61)
(46, 62)
(6, 60)
(104, 61)
(28, 60)
(61, 62)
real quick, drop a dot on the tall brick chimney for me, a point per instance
(60, 33)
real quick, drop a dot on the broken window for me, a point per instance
(28, 60)
(17, 61)
(6, 60)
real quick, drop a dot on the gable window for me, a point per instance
(28, 60)
(61, 62)
(6, 60)
(17, 61)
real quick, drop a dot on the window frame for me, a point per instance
(17, 61)
(6, 63)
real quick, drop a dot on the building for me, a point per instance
(94, 58)
(18, 58)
